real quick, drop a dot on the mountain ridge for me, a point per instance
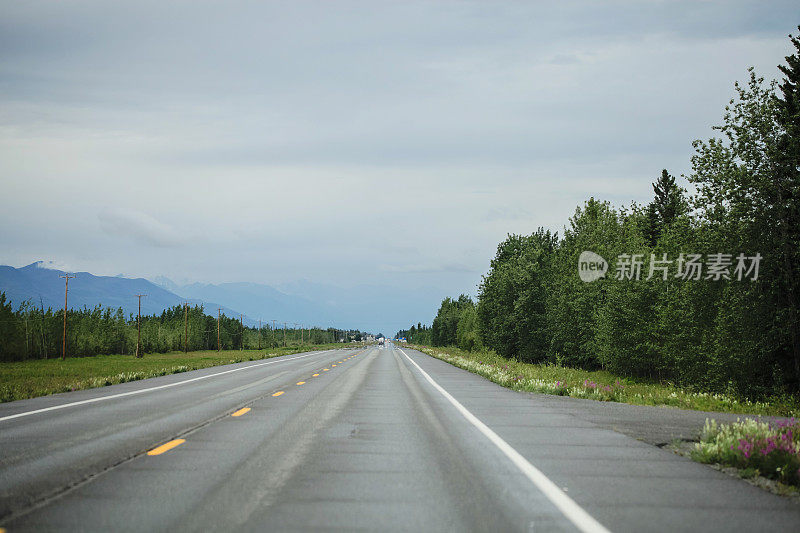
(43, 286)
(365, 307)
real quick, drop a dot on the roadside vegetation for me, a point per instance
(29, 379)
(602, 385)
(720, 331)
(756, 448)
(32, 332)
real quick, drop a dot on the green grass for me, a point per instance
(601, 385)
(754, 447)
(40, 377)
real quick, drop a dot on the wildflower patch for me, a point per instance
(771, 449)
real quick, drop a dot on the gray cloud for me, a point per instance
(426, 269)
(138, 226)
(348, 142)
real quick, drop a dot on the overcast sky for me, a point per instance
(372, 142)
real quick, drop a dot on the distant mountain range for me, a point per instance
(367, 307)
(43, 286)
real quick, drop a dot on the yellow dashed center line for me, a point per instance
(278, 393)
(315, 375)
(325, 369)
(242, 411)
(301, 382)
(166, 447)
(333, 366)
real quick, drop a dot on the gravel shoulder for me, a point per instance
(659, 426)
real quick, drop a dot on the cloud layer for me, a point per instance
(392, 143)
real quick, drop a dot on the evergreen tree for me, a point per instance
(669, 203)
(787, 188)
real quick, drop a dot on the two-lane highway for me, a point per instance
(382, 438)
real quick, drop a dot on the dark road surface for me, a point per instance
(375, 439)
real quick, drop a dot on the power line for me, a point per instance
(169, 321)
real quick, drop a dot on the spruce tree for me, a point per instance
(668, 204)
(787, 188)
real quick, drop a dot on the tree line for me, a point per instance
(701, 289)
(31, 332)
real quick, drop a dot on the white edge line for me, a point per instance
(571, 510)
(141, 391)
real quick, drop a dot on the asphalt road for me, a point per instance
(376, 439)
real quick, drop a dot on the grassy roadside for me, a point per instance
(601, 385)
(40, 377)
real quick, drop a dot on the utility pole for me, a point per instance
(185, 327)
(241, 327)
(139, 327)
(259, 333)
(272, 336)
(44, 341)
(218, 348)
(66, 277)
(284, 334)
(295, 324)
